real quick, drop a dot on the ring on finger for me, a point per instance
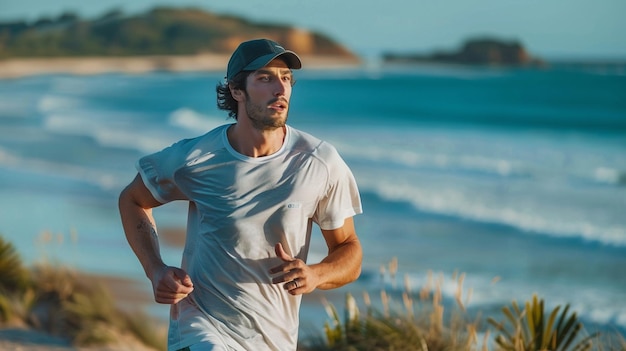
(295, 281)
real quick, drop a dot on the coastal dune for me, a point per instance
(128, 295)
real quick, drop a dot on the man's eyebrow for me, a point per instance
(267, 71)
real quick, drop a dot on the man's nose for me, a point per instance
(280, 87)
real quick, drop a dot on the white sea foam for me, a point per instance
(113, 130)
(519, 180)
(69, 124)
(516, 207)
(609, 175)
(120, 138)
(621, 318)
(473, 290)
(102, 179)
(110, 132)
(600, 305)
(54, 103)
(413, 158)
(194, 121)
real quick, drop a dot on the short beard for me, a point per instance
(260, 120)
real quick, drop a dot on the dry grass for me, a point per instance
(418, 321)
(406, 320)
(64, 303)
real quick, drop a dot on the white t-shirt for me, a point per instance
(239, 208)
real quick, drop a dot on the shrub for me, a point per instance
(62, 302)
(421, 325)
(14, 279)
(531, 329)
(13, 275)
(372, 332)
(398, 326)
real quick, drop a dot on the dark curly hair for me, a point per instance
(225, 100)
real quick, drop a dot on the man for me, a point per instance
(254, 188)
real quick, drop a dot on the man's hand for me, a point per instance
(299, 278)
(170, 285)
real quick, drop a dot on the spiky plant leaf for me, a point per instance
(13, 275)
(507, 312)
(550, 332)
(536, 331)
(500, 339)
(5, 309)
(530, 322)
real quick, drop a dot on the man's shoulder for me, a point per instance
(212, 136)
(321, 149)
(304, 141)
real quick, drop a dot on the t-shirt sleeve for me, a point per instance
(158, 173)
(342, 199)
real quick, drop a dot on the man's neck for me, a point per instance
(256, 143)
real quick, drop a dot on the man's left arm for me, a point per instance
(341, 266)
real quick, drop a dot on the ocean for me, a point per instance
(514, 177)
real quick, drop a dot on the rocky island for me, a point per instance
(478, 51)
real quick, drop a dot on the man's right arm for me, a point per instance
(170, 284)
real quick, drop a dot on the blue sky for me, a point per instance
(548, 28)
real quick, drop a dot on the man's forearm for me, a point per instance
(341, 266)
(141, 234)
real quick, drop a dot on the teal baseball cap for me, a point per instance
(254, 54)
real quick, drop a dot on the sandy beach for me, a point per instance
(21, 339)
(22, 67)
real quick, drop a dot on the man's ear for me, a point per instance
(237, 94)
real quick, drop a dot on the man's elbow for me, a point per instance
(357, 263)
(355, 275)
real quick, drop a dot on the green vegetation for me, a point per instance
(419, 323)
(161, 31)
(64, 303)
(13, 276)
(531, 330)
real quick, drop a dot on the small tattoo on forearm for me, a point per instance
(146, 227)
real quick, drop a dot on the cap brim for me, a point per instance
(291, 59)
